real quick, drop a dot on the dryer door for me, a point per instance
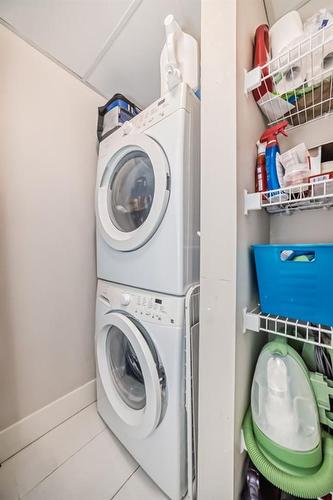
(130, 375)
(133, 192)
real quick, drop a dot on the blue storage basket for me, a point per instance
(291, 287)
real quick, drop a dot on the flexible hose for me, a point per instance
(315, 485)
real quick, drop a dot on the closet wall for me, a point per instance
(47, 248)
(231, 124)
(218, 250)
(251, 229)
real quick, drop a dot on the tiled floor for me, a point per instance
(78, 460)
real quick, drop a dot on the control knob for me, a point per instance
(127, 127)
(125, 299)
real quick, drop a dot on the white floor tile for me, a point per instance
(26, 469)
(96, 472)
(140, 487)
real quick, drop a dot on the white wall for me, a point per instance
(47, 269)
(231, 125)
(252, 228)
(218, 250)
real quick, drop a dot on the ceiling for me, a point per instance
(112, 45)
(277, 8)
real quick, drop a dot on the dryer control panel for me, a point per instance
(182, 97)
(144, 305)
(153, 114)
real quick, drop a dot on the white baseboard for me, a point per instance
(32, 427)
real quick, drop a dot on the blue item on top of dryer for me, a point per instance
(113, 114)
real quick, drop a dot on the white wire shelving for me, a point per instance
(287, 200)
(192, 306)
(298, 84)
(302, 331)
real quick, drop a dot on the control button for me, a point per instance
(125, 299)
(148, 313)
(126, 128)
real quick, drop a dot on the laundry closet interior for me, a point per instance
(149, 260)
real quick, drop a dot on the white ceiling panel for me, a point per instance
(131, 65)
(72, 31)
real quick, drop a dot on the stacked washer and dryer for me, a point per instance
(147, 211)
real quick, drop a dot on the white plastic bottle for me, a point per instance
(179, 58)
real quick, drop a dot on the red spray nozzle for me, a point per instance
(271, 133)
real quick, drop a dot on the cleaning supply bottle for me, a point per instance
(261, 175)
(261, 56)
(274, 169)
(179, 61)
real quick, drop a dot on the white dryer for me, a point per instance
(148, 196)
(140, 357)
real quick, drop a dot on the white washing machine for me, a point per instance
(148, 196)
(140, 340)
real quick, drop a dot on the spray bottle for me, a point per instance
(274, 169)
(261, 176)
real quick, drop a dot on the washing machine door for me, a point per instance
(133, 192)
(131, 375)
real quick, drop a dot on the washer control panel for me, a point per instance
(145, 306)
(153, 114)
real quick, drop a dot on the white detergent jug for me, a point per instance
(179, 58)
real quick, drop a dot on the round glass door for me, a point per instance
(125, 369)
(131, 191)
(131, 375)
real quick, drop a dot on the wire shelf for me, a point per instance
(298, 84)
(303, 331)
(307, 196)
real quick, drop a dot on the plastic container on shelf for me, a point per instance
(179, 60)
(295, 281)
(113, 114)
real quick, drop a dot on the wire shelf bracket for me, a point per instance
(303, 331)
(252, 79)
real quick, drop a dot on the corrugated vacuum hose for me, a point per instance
(314, 485)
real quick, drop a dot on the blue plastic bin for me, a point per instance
(294, 288)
